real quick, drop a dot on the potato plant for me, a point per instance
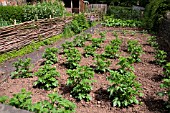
(124, 89)
(79, 41)
(153, 41)
(111, 50)
(47, 77)
(115, 34)
(55, 103)
(103, 36)
(80, 81)
(135, 50)
(125, 64)
(67, 45)
(89, 51)
(50, 55)
(101, 63)
(22, 69)
(160, 57)
(167, 70)
(73, 57)
(88, 37)
(96, 42)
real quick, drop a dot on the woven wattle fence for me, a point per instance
(18, 36)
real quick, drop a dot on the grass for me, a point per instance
(29, 48)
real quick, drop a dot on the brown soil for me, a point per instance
(148, 74)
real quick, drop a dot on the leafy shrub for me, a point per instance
(167, 70)
(154, 12)
(3, 99)
(80, 80)
(166, 92)
(96, 42)
(22, 69)
(57, 104)
(67, 32)
(67, 45)
(89, 51)
(46, 77)
(10, 13)
(160, 57)
(124, 13)
(4, 23)
(135, 50)
(123, 89)
(73, 57)
(153, 41)
(111, 50)
(125, 64)
(50, 55)
(79, 41)
(101, 63)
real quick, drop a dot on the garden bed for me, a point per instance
(148, 74)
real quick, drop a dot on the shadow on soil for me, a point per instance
(157, 78)
(102, 94)
(155, 105)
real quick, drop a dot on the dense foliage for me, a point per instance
(111, 22)
(124, 13)
(31, 12)
(47, 77)
(55, 104)
(80, 80)
(154, 12)
(124, 88)
(50, 55)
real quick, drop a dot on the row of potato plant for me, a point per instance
(160, 59)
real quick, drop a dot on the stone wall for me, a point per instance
(17, 36)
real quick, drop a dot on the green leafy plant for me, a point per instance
(21, 100)
(96, 42)
(111, 50)
(88, 36)
(167, 70)
(89, 51)
(3, 99)
(101, 63)
(123, 89)
(56, 104)
(50, 55)
(166, 92)
(115, 34)
(79, 41)
(160, 57)
(111, 22)
(22, 69)
(47, 77)
(73, 58)
(125, 64)
(103, 35)
(135, 50)
(153, 41)
(80, 80)
(67, 45)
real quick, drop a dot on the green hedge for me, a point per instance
(30, 12)
(124, 13)
(9, 13)
(154, 13)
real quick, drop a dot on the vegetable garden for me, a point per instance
(111, 70)
(115, 67)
